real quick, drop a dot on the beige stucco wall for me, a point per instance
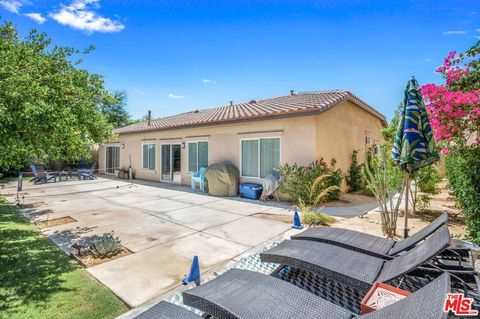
(303, 139)
(297, 143)
(342, 129)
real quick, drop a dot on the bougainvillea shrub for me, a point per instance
(454, 107)
(454, 113)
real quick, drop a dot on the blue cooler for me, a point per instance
(250, 190)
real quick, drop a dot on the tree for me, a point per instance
(114, 107)
(385, 179)
(48, 105)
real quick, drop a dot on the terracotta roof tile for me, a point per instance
(303, 102)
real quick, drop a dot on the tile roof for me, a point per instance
(303, 102)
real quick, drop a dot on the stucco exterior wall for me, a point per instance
(334, 133)
(297, 143)
(342, 129)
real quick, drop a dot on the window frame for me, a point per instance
(188, 153)
(154, 161)
(258, 161)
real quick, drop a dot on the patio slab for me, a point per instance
(195, 199)
(162, 225)
(200, 218)
(101, 217)
(249, 230)
(160, 205)
(145, 275)
(237, 207)
(130, 198)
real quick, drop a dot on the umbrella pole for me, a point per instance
(407, 191)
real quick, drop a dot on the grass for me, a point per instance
(37, 280)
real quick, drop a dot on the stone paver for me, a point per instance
(164, 227)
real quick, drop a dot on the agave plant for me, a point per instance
(106, 246)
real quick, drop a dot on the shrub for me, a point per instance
(106, 246)
(426, 180)
(354, 177)
(463, 173)
(313, 218)
(297, 181)
(309, 215)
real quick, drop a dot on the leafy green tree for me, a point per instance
(48, 105)
(389, 131)
(114, 107)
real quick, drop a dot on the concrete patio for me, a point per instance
(164, 227)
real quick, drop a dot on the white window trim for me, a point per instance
(188, 152)
(119, 145)
(258, 139)
(155, 161)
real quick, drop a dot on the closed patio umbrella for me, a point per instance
(413, 146)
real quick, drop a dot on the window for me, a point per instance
(197, 156)
(367, 140)
(260, 156)
(148, 157)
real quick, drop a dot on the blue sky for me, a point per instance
(177, 56)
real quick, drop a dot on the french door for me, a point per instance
(170, 162)
(112, 162)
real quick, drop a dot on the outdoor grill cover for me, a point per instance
(222, 179)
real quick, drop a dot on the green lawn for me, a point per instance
(37, 280)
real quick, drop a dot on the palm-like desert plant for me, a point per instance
(316, 197)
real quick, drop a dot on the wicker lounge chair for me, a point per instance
(166, 310)
(247, 294)
(352, 267)
(366, 243)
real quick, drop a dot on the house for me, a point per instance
(256, 137)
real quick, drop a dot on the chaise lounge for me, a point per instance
(352, 267)
(244, 294)
(366, 243)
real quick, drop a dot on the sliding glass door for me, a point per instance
(112, 162)
(170, 161)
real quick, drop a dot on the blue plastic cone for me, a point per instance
(194, 274)
(296, 221)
